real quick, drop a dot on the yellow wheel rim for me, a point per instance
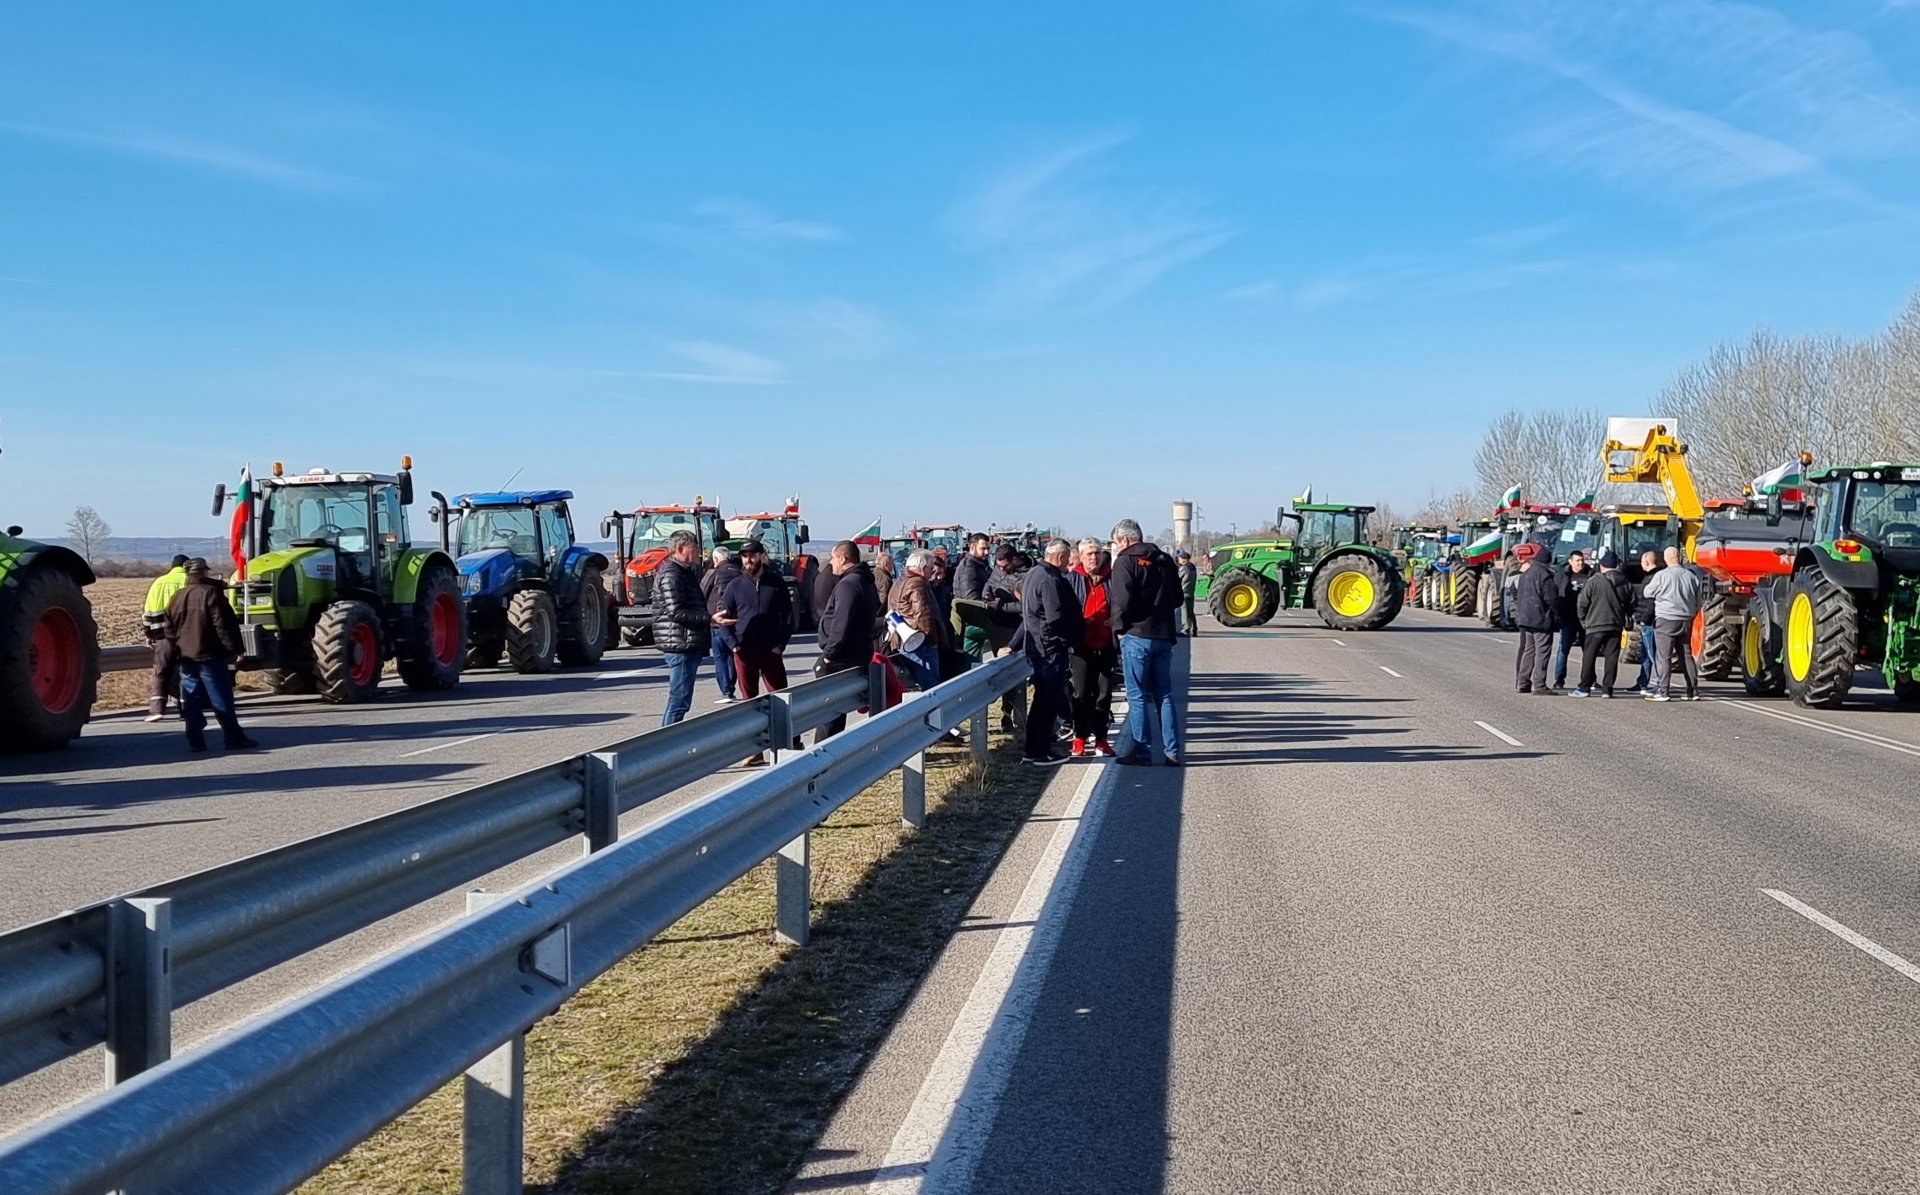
(1800, 636)
(1241, 600)
(1750, 644)
(1350, 594)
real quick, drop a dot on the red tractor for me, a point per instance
(1743, 542)
(640, 544)
(785, 538)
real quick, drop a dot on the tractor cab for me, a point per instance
(533, 594)
(1319, 528)
(640, 540)
(951, 536)
(781, 533)
(502, 536)
(359, 519)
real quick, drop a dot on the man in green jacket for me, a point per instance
(166, 668)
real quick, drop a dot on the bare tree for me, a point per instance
(88, 531)
(1554, 456)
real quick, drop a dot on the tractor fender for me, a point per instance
(1847, 574)
(19, 555)
(578, 560)
(412, 565)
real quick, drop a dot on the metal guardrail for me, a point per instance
(274, 1101)
(125, 659)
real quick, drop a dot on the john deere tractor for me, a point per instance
(1850, 601)
(1325, 565)
(49, 649)
(334, 587)
(1416, 547)
(532, 593)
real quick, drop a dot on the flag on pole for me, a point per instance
(242, 515)
(1306, 495)
(1586, 502)
(1510, 499)
(1773, 481)
(871, 536)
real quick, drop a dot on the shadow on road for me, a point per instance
(267, 782)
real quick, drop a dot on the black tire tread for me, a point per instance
(25, 724)
(333, 653)
(525, 651)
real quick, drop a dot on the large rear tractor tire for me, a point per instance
(1354, 592)
(1417, 587)
(533, 631)
(1465, 592)
(346, 653)
(1719, 638)
(1242, 598)
(49, 660)
(1493, 587)
(1759, 661)
(587, 635)
(436, 652)
(1822, 641)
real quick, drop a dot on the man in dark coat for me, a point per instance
(970, 579)
(205, 637)
(1536, 602)
(1051, 626)
(712, 587)
(1143, 595)
(682, 628)
(757, 612)
(1189, 582)
(1604, 604)
(1567, 587)
(846, 623)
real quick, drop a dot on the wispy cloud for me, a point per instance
(195, 154)
(721, 365)
(827, 328)
(725, 227)
(1060, 231)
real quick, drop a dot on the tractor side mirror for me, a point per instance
(406, 487)
(606, 528)
(805, 535)
(219, 499)
(16, 530)
(1773, 507)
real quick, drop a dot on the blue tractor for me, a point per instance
(534, 595)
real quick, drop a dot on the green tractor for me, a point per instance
(1325, 565)
(1417, 547)
(49, 646)
(1850, 601)
(334, 586)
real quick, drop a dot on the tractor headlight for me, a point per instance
(472, 584)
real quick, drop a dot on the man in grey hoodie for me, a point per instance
(1677, 594)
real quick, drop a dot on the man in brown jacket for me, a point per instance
(912, 599)
(206, 640)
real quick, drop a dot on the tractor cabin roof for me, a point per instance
(1877, 471)
(676, 510)
(319, 477)
(515, 498)
(1337, 508)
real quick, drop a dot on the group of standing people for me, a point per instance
(1556, 611)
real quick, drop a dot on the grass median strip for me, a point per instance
(711, 1060)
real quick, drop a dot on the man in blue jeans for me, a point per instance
(205, 636)
(1145, 597)
(682, 628)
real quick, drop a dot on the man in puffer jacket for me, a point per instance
(682, 628)
(1604, 604)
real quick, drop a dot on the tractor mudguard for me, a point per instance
(578, 560)
(407, 571)
(1847, 574)
(17, 555)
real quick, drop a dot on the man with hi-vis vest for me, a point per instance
(166, 667)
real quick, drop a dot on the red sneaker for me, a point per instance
(1103, 747)
(1079, 748)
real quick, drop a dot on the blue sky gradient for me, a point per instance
(999, 261)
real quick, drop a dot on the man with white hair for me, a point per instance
(1144, 596)
(1050, 628)
(912, 599)
(713, 587)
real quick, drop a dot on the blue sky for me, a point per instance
(928, 262)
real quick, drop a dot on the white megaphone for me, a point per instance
(904, 636)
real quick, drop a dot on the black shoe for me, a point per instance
(1135, 760)
(1523, 689)
(1042, 761)
(241, 744)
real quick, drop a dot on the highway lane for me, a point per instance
(1397, 927)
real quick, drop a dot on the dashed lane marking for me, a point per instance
(1500, 734)
(472, 738)
(1846, 935)
(1341, 642)
(1391, 672)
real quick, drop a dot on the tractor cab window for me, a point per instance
(1323, 529)
(1580, 533)
(1886, 513)
(771, 533)
(335, 514)
(555, 532)
(1636, 538)
(509, 527)
(389, 521)
(651, 531)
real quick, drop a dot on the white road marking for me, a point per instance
(623, 674)
(1845, 732)
(1846, 935)
(954, 1109)
(1341, 642)
(472, 738)
(1391, 672)
(1502, 735)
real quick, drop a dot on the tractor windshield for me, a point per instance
(509, 527)
(948, 538)
(1324, 529)
(335, 513)
(1425, 549)
(1886, 513)
(1637, 538)
(651, 530)
(1578, 533)
(772, 534)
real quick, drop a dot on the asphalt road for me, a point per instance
(1398, 928)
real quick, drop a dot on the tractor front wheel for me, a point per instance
(346, 653)
(1822, 641)
(590, 631)
(49, 660)
(1719, 638)
(1242, 598)
(1356, 593)
(432, 657)
(531, 632)
(1759, 665)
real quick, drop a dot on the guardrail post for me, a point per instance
(913, 791)
(793, 891)
(139, 986)
(977, 735)
(603, 801)
(780, 724)
(876, 690)
(493, 1125)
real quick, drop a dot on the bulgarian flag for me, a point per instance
(1484, 548)
(242, 515)
(1510, 499)
(871, 536)
(1773, 481)
(1586, 502)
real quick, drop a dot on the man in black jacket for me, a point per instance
(1567, 587)
(970, 578)
(206, 642)
(1050, 628)
(757, 612)
(1536, 613)
(846, 623)
(682, 628)
(1144, 595)
(1643, 622)
(1604, 602)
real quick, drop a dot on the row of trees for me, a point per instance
(1742, 409)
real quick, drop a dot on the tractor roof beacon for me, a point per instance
(1326, 565)
(334, 586)
(532, 592)
(49, 645)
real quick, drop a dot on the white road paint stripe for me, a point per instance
(1846, 935)
(1391, 672)
(953, 1111)
(1500, 734)
(1341, 642)
(472, 738)
(1845, 732)
(623, 674)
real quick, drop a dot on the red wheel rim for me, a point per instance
(444, 629)
(55, 661)
(365, 655)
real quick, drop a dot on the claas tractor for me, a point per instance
(1417, 547)
(785, 538)
(533, 594)
(333, 586)
(1326, 565)
(640, 543)
(49, 645)
(1850, 599)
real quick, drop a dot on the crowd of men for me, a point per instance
(1578, 607)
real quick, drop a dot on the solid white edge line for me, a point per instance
(1500, 734)
(1846, 935)
(1845, 732)
(1391, 672)
(953, 1112)
(472, 738)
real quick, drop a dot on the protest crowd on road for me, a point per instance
(1577, 607)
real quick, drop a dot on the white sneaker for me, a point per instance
(725, 700)
(154, 718)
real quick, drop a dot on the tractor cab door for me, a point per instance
(556, 533)
(711, 532)
(389, 537)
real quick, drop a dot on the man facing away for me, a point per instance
(846, 623)
(1604, 603)
(1677, 594)
(1643, 622)
(682, 628)
(1535, 612)
(205, 637)
(165, 672)
(1050, 628)
(1144, 596)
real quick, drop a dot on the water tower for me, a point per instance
(1182, 522)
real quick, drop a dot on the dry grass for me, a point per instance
(117, 606)
(711, 1060)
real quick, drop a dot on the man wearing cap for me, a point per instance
(1604, 603)
(206, 641)
(1189, 578)
(166, 673)
(1567, 589)
(757, 612)
(1534, 611)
